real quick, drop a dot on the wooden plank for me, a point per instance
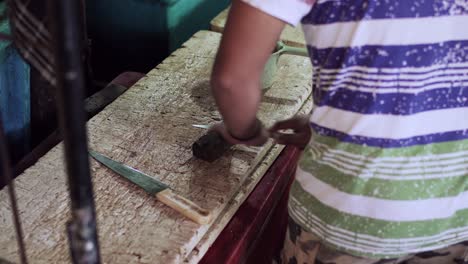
(149, 128)
(266, 207)
(292, 36)
(245, 189)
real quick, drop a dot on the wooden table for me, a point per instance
(150, 128)
(292, 36)
(256, 232)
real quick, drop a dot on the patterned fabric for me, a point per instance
(386, 172)
(303, 247)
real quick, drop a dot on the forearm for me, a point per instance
(248, 40)
(238, 102)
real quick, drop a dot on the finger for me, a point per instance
(295, 123)
(284, 124)
(298, 139)
(221, 129)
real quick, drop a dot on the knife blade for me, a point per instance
(201, 126)
(157, 188)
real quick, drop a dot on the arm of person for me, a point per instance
(252, 29)
(249, 37)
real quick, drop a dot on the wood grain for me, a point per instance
(245, 237)
(149, 127)
(246, 188)
(292, 36)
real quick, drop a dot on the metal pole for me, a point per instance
(82, 230)
(7, 175)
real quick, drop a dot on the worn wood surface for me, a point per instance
(245, 239)
(240, 196)
(292, 36)
(149, 128)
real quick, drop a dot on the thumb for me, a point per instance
(295, 123)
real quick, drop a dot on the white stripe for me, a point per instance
(289, 11)
(371, 164)
(365, 167)
(393, 77)
(400, 169)
(404, 168)
(365, 173)
(426, 158)
(388, 210)
(403, 31)
(406, 70)
(381, 85)
(391, 126)
(324, 1)
(379, 89)
(351, 242)
(315, 152)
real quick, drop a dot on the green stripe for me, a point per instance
(422, 150)
(314, 153)
(369, 253)
(404, 162)
(387, 189)
(375, 227)
(402, 170)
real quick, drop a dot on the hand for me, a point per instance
(260, 139)
(301, 132)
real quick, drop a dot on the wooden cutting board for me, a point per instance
(150, 128)
(292, 36)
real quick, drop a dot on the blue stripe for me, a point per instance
(422, 55)
(392, 143)
(393, 103)
(345, 11)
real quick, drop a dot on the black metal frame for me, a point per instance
(68, 32)
(7, 177)
(70, 54)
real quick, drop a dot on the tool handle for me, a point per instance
(184, 206)
(210, 147)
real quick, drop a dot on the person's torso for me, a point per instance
(387, 168)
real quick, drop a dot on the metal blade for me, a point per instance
(148, 183)
(201, 126)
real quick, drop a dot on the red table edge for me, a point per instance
(240, 238)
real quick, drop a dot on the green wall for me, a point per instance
(138, 34)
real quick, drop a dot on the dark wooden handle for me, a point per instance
(210, 146)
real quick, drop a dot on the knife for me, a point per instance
(154, 187)
(201, 126)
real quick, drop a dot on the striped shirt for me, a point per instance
(386, 172)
